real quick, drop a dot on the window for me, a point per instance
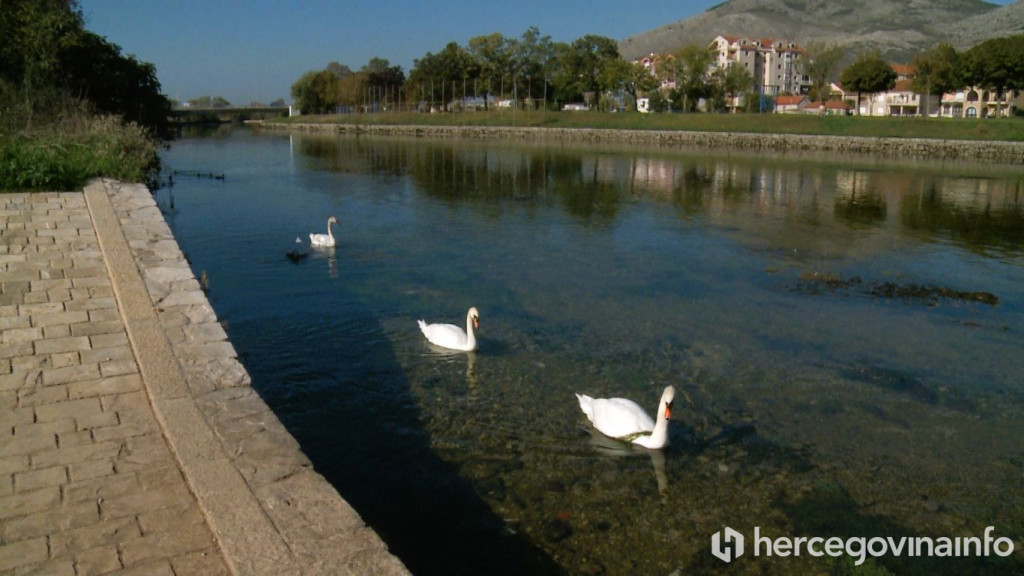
(972, 112)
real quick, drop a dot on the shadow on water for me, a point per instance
(829, 509)
(356, 419)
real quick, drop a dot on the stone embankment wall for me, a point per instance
(270, 511)
(931, 149)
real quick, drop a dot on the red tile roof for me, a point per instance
(830, 105)
(903, 69)
(904, 86)
(789, 100)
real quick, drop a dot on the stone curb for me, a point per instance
(269, 510)
(902, 148)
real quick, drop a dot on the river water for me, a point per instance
(846, 337)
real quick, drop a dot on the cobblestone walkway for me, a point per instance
(130, 439)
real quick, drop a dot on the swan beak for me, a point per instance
(668, 410)
(476, 323)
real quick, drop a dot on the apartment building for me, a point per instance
(774, 63)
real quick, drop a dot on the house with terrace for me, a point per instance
(976, 102)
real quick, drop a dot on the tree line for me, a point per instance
(531, 69)
(996, 64)
(534, 70)
(72, 106)
(51, 66)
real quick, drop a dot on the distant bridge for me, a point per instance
(186, 116)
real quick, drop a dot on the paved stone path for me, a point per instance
(131, 441)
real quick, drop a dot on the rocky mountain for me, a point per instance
(898, 29)
(1004, 21)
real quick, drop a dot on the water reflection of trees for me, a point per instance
(586, 186)
(355, 155)
(980, 214)
(591, 184)
(858, 199)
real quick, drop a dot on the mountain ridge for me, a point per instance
(897, 29)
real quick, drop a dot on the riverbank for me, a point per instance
(1002, 152)
(133, 439)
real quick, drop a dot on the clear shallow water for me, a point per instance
(838, 376)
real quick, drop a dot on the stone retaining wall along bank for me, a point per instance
(924, 148)
(270, 511)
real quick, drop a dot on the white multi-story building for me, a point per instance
(774, 63)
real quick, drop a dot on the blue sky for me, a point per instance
(255, 49)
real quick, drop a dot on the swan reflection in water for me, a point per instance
(447, 355)
(618, 449)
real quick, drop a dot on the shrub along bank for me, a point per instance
(65, 155)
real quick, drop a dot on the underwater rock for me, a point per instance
(556, 530)
(816, 283)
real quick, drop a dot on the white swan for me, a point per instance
(324, 239)
(450, 335)
(624, 420)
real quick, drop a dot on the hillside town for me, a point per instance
(776, 67)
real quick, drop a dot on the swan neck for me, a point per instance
(470, 336)
(659, 436)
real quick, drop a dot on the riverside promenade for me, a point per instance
(131, 441)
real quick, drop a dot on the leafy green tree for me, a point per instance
(492, 55)
(382, 81)
(729, 82)
(583, 67)
(997, 64)
(380, 73)
(870, 74)
(435, 76)
(638, 79)
(937, 72)
(352, 89)
(305, 94)
(33, 36)
(658, 101)
(338, 70)
(690, 70)
(325, 84)
(49, 62)
(95, 69)
(820, 62)
(531, 61)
